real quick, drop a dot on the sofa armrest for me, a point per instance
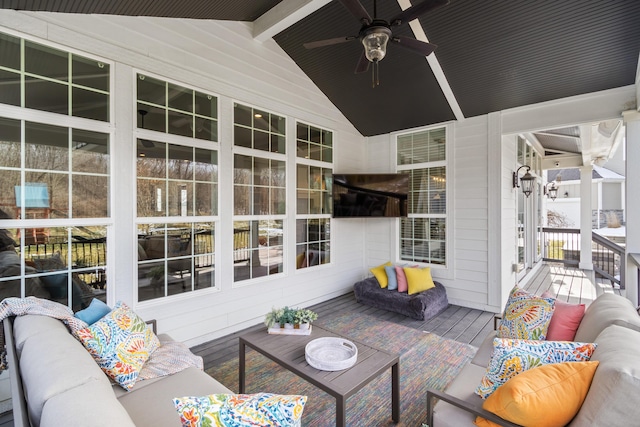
(474, 409)
(18, 400)
(153, 324)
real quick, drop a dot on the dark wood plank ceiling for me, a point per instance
(495, 55)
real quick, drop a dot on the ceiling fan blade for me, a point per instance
(414, 11)
(363, 64)
(328, 42)
(417, 46)
(357, 10)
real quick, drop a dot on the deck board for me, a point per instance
(462, 324)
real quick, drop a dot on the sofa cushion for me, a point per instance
(30, 325)
(446, 415)
(241, 409)
(152, 405)
(565, 320)
(402, 279)
(55, 351)
(512, 357)
(89, 404)
(548, 395)
(613, 395)
(120, 343)
(526, 316)
(96, 310)
(483, 355)
(380, 274)
(391, 277)
(604, 311)
(418, 280)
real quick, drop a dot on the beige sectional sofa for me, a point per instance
(613, 323)
(55, 382)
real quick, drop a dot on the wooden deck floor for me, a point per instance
(458, 323)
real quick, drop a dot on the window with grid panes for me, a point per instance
(47, 79)
(54, 180)
(259, 192)
(422, 155)
(177, 188)
(170, 108)
(313, 195)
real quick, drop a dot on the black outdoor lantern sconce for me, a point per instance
(551, 190)
(526, 181)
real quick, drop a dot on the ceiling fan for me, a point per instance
(376, 33)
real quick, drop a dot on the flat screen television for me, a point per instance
(370, 195)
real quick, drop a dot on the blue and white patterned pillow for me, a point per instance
(511, 357)
(526, 316)
(120, 342)
(241, 410)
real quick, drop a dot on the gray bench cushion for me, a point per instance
(421, 306)
(55, 351)
(25, 327)
(462, 387)
(91, 404)
(604, 311)
(152, 404)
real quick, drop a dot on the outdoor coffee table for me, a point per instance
(288, 352)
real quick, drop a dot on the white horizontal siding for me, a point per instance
(222, 58)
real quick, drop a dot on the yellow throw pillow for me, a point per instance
(546, 396)
(418, 279)
(381, 274)
(300, 259)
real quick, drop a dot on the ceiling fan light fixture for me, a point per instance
(375, 42)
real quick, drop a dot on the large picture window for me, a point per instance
(313, 195)
(422, 155)
(259, 192)
(49, 175)
(177, 188)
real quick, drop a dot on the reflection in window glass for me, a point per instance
(313, 195)
(53, 184)
(175, 258)
(257, 248)
(50, 76)
(314, 143)
(66, 265)
(258, 129)
(176, 180)
(313, 240)
(177, 110)
(259, 186)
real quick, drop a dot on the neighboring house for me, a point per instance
(607, 196)
(226, 181)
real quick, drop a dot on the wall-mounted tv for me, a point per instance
(370, 195)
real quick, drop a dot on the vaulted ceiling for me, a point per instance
(491, 55)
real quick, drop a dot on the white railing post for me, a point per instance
(632, 205)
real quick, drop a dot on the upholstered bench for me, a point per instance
(420, 306)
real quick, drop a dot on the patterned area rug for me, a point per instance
(426, 361)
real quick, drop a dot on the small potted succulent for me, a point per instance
(273, 317)
(304, 317)
(297, 318)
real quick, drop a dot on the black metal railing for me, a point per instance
(608, 259)
(563, 245)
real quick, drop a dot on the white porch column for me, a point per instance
(632, 204)
(586, 262)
